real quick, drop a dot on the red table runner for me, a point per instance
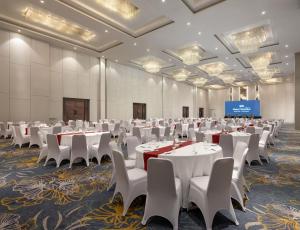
(165, 149)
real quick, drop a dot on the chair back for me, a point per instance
(241, 163)
(121, 137)
(167, 131)
(155, 131)
(161, 178)
(191, 126)
(264, 137)
(191, 133)
(52, 142)
(132, 143)
(238, 152)
(178, 127)
(104, 143)
(199, 137)
(2, 127)
(250, 129)
(57, 129)
(226, 142)
(253, 146)
(104, 127)
(220, 179)
(19, 135)
(34, 132)
(117, 127)
(137, 133)
(79, 146)
(161, 122)
(120, 169)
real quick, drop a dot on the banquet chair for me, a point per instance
(191, 134)
(116, 130)
(178, 130)
(56, 130)
(137, 133)
(161, 122)
(129, 164)
(132, 143)
(212, 193)
(226, 142)
(237, 187)
(129, 183)
(253, 149)
(4, 131)
(199, 136)
(164, 192)
(55, 151)
(228, 128)
(191, 126)
(263, 145)
(250, 129)
(35, 138)
(79, 149)
(19, 138)
(167, 133)
(105, 127)
(72, 124)
(98, 151)
(155, 132)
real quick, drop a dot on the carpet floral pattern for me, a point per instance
(36, 197)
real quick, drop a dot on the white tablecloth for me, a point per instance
(258, 130)
(192, 161)
(235, 127)
(91, 138)
(208, 134)
(240, 136)
(146, 131)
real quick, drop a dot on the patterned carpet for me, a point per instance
(37, 197)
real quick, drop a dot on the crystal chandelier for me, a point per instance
(57, 23)
(123, 7)
(199, 81)
(181, 75)
(151, 66)
(249, 41)
(190, 56)
(267, 73)
(261, 61)
(227, 78)
(213, 69)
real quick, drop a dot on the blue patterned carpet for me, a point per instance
(37, 197)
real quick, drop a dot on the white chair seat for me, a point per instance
(200, 183)
(137, 175)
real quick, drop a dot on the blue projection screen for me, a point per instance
(242, 108)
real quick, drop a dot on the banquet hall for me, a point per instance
(150, 114)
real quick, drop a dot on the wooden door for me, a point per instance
(201, 112)
(76, 109)
(139, 111)
(185, 111)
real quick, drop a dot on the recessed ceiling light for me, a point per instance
(199, 33)
(103, 56)
(286, 46)
(287, 63)
(216, 48)
(286, 56)
(19, 31)
(263, 12)
(241, 70)
(163, 0)
(188, 23)
(134, 44)
(75, 48)
(42, 1)
(148, 50)
(226, 58)
(117, 60)
(106, 31)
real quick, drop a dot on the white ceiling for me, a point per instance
(161, 26)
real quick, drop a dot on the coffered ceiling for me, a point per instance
(180, 35)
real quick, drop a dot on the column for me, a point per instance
(297, 91)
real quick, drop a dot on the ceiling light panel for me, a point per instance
(124, 8)
(150, 64)
(198, 5)
(214, 68)
(57, 23)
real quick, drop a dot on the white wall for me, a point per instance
(216, 102)
(164, 97)
(35, 77)
(278, 101)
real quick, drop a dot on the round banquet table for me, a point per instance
(146, 131)
(192, 161)
(240, 136)
(235, 127)
(148, 147)
(258, 130)
(189, 161)
(91, 138)
(208, 134)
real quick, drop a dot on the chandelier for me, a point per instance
(123, 7)
(152, 66)
(56, 23)
(249, 41)
(213, 69)
(227, 78)
(190, 55)
(267, 73)
(199, 81)
(181, 75)
(261, 61)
